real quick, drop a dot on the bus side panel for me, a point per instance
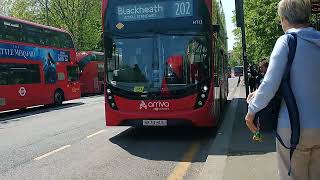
(100, 74)
(11, 98)
(21, 96)
(93, 86)
(71, 90)
(89, 79)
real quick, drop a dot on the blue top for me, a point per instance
(305, 74)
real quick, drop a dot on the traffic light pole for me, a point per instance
(245, 59)
(240, 23)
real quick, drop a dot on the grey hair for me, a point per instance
(295, 11)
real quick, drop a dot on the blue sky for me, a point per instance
(228, 7)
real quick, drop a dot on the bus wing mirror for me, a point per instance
(216, 28)
(94, 57)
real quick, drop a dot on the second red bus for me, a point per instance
(91, 66)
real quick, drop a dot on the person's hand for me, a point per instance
(249, 122)
(251, 96)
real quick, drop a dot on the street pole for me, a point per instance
(47, 12)
(245, 58)
(241, 24)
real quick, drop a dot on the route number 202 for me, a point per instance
(182, 8)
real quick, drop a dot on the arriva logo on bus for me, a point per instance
(155, 105)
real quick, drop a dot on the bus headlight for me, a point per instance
(110, 99)
(205, 88)
(203, 93)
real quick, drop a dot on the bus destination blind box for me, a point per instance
(160, 10)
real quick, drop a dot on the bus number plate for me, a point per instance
(154, 122)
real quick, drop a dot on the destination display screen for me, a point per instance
(158, 10)
(156, 16)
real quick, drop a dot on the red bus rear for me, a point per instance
(238, 71)
(36, 65)
(165, 64)
(91, 66)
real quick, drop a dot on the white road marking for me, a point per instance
(94, 134)
(52, 152)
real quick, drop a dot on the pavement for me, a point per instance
(233, 155)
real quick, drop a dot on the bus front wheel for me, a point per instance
(58, 97)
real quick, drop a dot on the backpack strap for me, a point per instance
(288, 96)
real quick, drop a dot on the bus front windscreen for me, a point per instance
(158, 63)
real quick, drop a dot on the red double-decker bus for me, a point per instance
(37, 65)
(91, 66)
(165, 62)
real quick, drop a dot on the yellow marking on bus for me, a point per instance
(138, 89)
(94, 134)
(52, 152)
(182, 168)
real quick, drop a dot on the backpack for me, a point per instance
(267, 118)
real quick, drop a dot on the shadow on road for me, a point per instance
(241, 139)
(168, 144)
(239, 135)
(6, 116)
(84, 96)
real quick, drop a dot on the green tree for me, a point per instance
(234, 62)
(5, 6)
(27, 10)
(80, 17)
(262, 29)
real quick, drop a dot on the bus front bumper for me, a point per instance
(202, 117)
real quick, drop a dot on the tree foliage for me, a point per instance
(262, 29)
(80, 17)
(5, 5)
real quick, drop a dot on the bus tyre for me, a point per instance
(58, 97)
